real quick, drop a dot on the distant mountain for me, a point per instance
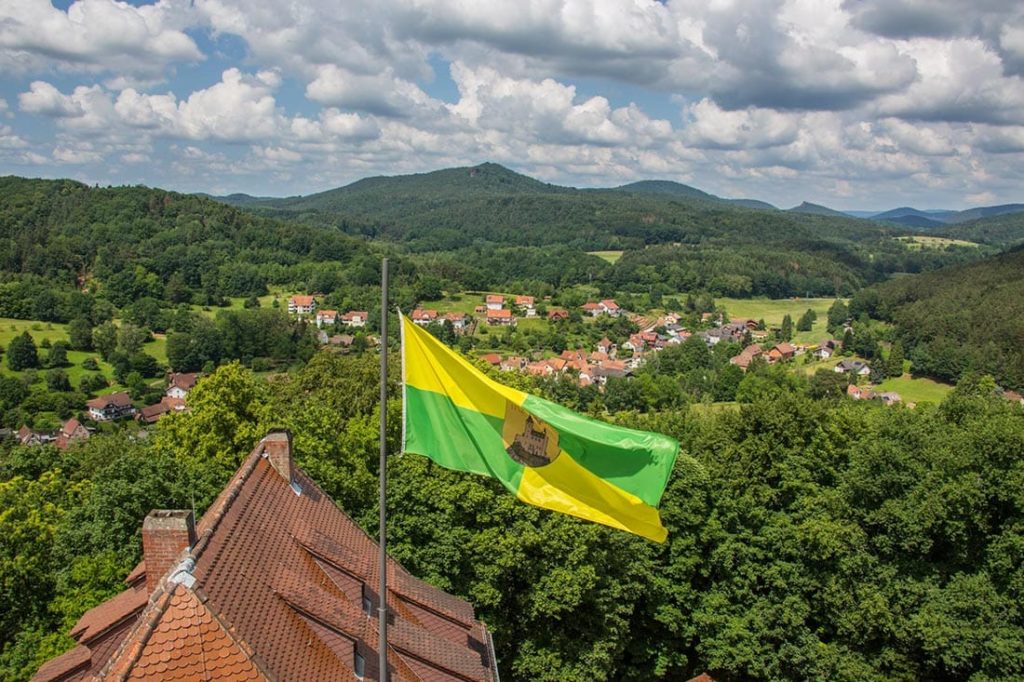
(861, 214)
(669, 188)
(936, 216)
(985, 212)
(816, 209)
(753, 203)
(915, 221)
(455, 208)
(999, 230)
(666, 188)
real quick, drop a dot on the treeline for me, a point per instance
(808, 538)
(957, 320)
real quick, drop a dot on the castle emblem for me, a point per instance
(528, 440)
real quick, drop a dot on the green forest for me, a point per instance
(810, 538)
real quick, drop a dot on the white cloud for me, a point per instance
(43, 98)
(93, 35)
(714, 128)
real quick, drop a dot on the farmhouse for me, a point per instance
(275, 582)
(302, 305)
(781, 351)
(610, 307)
(592, 308)
(71, 431)
(110, 407)
(558, 315)
(495, 301)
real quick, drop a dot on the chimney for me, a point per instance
(166, 533)
(277, 448)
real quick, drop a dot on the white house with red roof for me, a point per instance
(326, 317)
(109, 407)
(526, 303)
(502, 317)
(302, 305)
(495, 301)
(423, 317)
(610, 307)
(355, 318)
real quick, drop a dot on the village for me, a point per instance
(608, 358)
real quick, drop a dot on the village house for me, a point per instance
(326, 317)
(856, 367)
(825, 350)
(492, 359)
(780, 352)
(150, 414)
(495, 301)
(110, 407)
(355, 318)
(746, 356)
(180, 383)
(592, 308)
(502, 317)
(606, 346)
(512, 363)
(275, 582)
(28, 436)
(459, 321)
(71, 431)
(610, 307)
(557, 314)
(423, 317)
(302, 305)
(858, 393)
(526, 304)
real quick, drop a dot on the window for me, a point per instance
(359, 664)
(367, 602)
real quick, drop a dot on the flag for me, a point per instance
(546, 454)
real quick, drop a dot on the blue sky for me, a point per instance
(849, 103)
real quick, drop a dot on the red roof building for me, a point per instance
(558, 315)
(274, 583)
(70, 432)
(423, 317)
(503, 316)
(110, 406)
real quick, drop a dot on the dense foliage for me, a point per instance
(809, 539)
(968, 318)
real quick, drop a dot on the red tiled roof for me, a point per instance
(120, 399)
(524, 300)
(591, 306)
(495, 298)
(499, 314)
(304, 301)
(274, 591)
(610, 304)
(353, 314)
(184, 381)
(491, 358)
(421, 314)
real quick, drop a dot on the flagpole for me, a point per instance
(382, 476)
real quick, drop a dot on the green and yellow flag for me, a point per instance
(547, 455)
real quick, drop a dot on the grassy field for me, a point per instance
(54, 331)
(610, 256)
(916, 389)
(773, 310)
(924, 242)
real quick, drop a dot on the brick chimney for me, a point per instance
(166, 533)
(277, 448)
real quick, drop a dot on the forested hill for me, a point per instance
(966, 318)
(999, 230)
(448, 209)
(59, 238)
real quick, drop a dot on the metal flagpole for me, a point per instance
(383, 597)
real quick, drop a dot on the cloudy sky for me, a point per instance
(851, 103)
